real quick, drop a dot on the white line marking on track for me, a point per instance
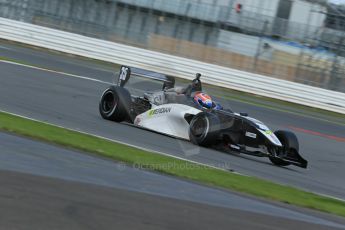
(120, 142)
(329, 196)
(5, 48)
(57, 72)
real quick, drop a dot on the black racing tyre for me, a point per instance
(204, 129)
(115, 104)
(290, 144)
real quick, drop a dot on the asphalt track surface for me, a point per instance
(47, 187)
(73, 102)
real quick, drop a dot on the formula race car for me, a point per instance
(189, 113)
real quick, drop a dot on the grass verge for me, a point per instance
(169, 165)
(16, 61)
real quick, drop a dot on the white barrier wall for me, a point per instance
(171, 65)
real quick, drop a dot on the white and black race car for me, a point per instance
(173, 111)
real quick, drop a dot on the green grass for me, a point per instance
(169, 165)
(16, 61)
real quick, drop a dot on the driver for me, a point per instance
(203, 100)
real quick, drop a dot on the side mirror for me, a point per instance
(244, 114)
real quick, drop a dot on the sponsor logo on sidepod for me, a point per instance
(249, 134)
(159, 111)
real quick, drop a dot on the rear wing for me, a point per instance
(127, 72)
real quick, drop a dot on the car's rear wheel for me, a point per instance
(204, 129)
(115, 104)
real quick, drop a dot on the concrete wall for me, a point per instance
(264, 7)
(115, 22)
(310, 15)
(304, 20)
(201, 9)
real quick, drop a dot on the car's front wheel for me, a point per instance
(204, 129)
(290, 147)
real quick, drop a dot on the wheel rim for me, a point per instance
(110, 102)
(198, 127)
